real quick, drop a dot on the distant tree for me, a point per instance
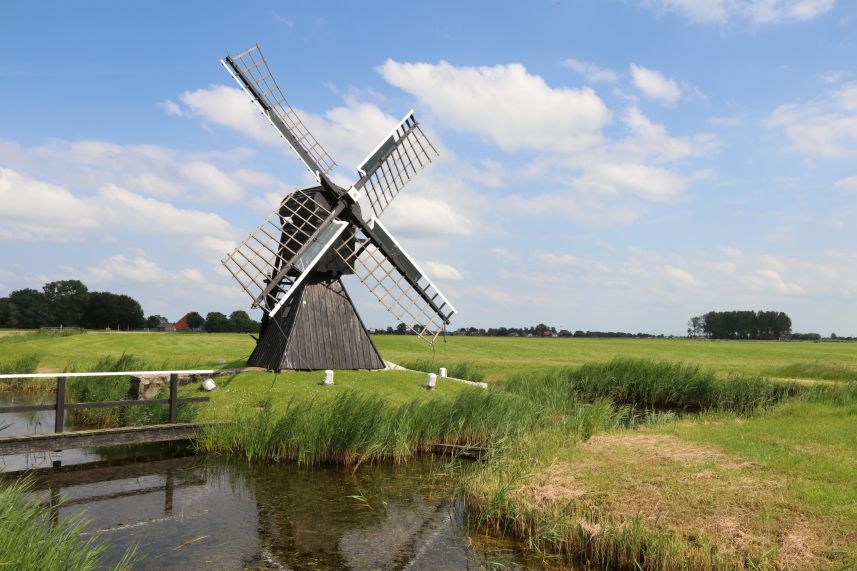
(216, 322)
(195, 321)
(107, 310)
(68, 300)
(401, 329)
(31, 307)
(155, 321)
(9, 314)
(240, 322)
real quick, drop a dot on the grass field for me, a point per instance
(504, 356)
(498, 357)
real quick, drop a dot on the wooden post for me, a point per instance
(59, 419)
(174, 407)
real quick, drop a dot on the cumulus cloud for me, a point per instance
(590, 71)
(37, 210)
(679, 276)
(758, 12)
(504, 104)
(825, 127)
(655, 85)
(150, 169)
(848, 183)
(442, 271)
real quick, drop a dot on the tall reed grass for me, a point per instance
(354, 427)
(29, 541)
(98, 389)
(24, 365)
(649, 384)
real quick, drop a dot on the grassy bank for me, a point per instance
(773, 488)
(29, 541)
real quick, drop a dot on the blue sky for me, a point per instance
(615, 165)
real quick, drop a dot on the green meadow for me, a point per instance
(616, 453)
(498, 357)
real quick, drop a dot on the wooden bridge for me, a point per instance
(62, 440)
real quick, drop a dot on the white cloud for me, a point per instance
(826, 127)
(848, 183)
(442, 271)
(119, 206)
(651, 183)
(770, 280)
(150, 169)
(758, 12)
(655, 85)
(504, 104)
(679, 276)
(590, 71)
(217, 185)
(731, 252)
(36, 210)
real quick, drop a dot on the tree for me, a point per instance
(68, 300)
(240, 322)
(195, 321)
(9, 314)
(156, 321)
(216, 322)
(33, 309)
(107, 310)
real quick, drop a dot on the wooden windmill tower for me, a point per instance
(292, 263)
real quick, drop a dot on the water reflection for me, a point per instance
(192, 513)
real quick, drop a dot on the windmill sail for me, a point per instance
(397, 281)
(399, 157)
(277, 256)
(252, 73)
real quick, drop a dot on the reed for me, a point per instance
(654, 385)
(29, 541)
(24, 365)
(355, 427)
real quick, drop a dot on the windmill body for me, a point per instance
(291, 264)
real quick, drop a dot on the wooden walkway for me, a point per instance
(48, 442)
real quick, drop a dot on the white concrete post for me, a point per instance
(431, 379)
(443, 372)
(328, 378)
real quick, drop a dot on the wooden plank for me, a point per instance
(102, 437)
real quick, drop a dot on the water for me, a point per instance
(184, 511)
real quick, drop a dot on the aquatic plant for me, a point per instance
(28, 539)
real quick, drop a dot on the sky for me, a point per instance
(614, 165)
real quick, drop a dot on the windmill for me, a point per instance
(291, 265)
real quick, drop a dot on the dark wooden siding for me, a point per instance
(317, 329)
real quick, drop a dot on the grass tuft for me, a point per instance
(28, 541)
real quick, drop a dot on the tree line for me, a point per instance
(741, 325)
(69, 303)
(540, 330)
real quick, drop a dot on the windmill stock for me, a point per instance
(291, 265)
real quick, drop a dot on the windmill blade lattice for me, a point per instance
(397, 282)
(404, 153)
(272, 260)
(256, 78)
